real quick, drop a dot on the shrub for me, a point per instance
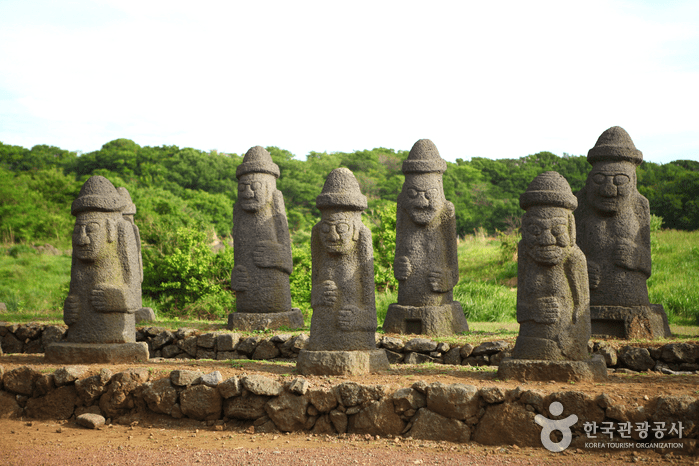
(184, 271)
(384, 239)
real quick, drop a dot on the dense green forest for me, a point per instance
(184, 196)
(186, 187)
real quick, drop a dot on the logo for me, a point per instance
(550, 425)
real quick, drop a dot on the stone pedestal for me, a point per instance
(248, 321)
(592, 370)
(341, 362)
(429, 320)
(96, 353)
(644, 322)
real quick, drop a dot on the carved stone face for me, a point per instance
(337, 232)
(545, 232)
(609, 186)
(423, 197)
(255, 191)
(89, 236)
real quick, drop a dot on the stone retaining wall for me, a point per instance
(255, 403)
(671, 358)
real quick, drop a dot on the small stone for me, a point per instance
(91, 421)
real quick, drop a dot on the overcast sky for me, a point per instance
(481, 79)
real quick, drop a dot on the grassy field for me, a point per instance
(33, 286)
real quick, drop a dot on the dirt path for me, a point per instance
(54, 443)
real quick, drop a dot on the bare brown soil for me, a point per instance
(156, 439)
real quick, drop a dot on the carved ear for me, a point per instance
(571, 228)
(355, 233)
(111, 230)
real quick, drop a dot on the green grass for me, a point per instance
(33, 286)
(483, 289)
(675, 279)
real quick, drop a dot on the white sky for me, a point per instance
(480, 78)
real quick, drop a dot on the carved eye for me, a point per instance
(91, 228)
(412, 193)
(534, 230)
(621, 180)
(76, 230)
(598, 178)
(325, 227)
(558, 230)
(256, 185)
(342, 227)
(431, 193)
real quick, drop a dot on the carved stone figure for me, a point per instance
(426, 264)
(553, 301)
(613, 223)
(553, 304)
(343, 325)
(262, 252)
(105, 284)
(144, 313)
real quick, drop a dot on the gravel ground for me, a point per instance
(55, 443)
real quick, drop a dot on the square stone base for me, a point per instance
(249, 321)
(341, 362)
(643, 322)
(593, 370)
(428, 320)
(96, 353)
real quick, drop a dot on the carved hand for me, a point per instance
(240, 278)
(98, 299)
(548, 310)
(402, 268)
(71, 310)
(624, 255)
(593, 274)
(329, 293)
(267, 254)
(347, 318)
(439, 281)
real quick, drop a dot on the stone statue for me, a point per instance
(613, 225)
(343, 325)
(553, 303)
(426, 264)
(262, 254)
(105, 282)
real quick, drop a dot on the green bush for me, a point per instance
(186, 276)
(656, 222)
(384, 239)
(300, 279)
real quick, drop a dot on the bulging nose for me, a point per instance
(248, 193)
(333, 234)
(608, 189)
(546, 238)
(83, 239)
(421, 200)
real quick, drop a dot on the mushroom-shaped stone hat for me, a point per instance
(615, 145)
(548, 189)
(424, 158)
(257, 160)
(98, 194)
(130, 208)
(341, 189)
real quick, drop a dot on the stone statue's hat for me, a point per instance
(257, 160)
(98, 194)
(615, 145)
(424, 158)
(341, 190)
(130, 208)
(549, 189)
